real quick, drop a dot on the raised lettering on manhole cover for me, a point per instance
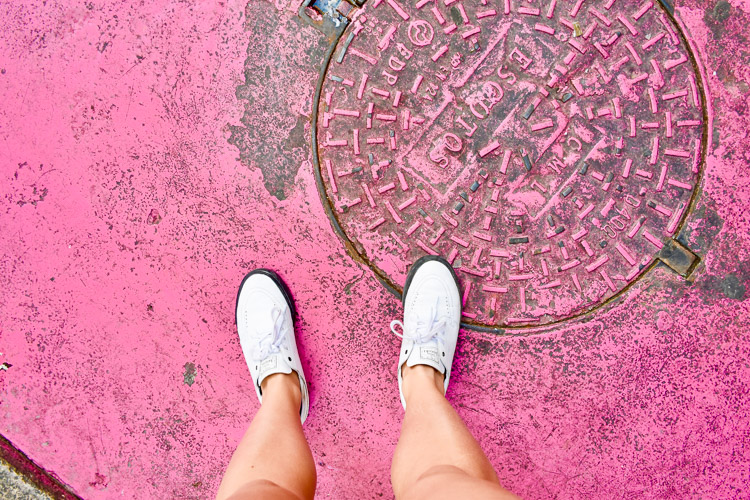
(546, 149)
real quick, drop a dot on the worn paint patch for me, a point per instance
(716, 17)
(732, 285)
(280, 69)
(733, 288)
(188, 376)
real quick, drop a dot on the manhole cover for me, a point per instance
(546, 149)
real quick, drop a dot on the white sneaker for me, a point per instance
(264, 317)
(432, 316)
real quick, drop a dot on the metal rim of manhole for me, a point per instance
(550, 150)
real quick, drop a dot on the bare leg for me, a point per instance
(436, 455)
(273, 460)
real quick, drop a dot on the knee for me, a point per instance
(437, 471)
(450, 482)
(431, 480)
(481, 470)
(262, 488)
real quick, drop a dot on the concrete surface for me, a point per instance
(152, 153)
(15, 487)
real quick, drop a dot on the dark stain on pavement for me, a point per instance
(189, 375)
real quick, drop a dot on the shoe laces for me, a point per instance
(270, 338)
(428, 326)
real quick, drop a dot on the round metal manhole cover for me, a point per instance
(546, 149)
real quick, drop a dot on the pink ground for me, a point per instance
(152, 153)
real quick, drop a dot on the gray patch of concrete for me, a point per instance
(15, 487)
(282, 67)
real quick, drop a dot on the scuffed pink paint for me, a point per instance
(115, 110)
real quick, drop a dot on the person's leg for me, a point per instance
(273, 459)
(436, 455)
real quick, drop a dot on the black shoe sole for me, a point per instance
(418, 264)
(279, 282)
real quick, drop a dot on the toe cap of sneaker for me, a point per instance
(433, 276)
(260, 292)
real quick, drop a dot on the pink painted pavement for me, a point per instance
(152, 153)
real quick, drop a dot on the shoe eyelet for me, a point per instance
(443, 354)
(406, 351)
(289, 358)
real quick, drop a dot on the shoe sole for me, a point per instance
(418, 264)
(278, 281)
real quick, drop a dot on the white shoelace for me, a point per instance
(428, 327)
(269, 342)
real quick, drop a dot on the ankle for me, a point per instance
(282, 387)
(420, 379)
